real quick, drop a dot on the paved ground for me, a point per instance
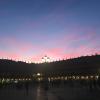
(33, 93)
(54, 93)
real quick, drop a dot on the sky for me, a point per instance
(60, 29)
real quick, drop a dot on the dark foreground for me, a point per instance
(42, 92)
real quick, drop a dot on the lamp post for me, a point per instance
(45, 59)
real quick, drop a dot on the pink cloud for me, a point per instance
(63, 47)
(23, 46)
(8, 55)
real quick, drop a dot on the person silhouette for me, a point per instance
(27, 87)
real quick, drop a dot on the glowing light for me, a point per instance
(58, 77)
(96, 77)
(19, 79)
(62, 78)
(38, 74)
(66, 78)
(39, 79)
(16, 81)
(46, 59)
(29, 79)
(77, 77)
(82, 77)
(23, 79)
(7, 80)
(49, 79)
(12, 79)
(91, 76)
(73, 77)
(87, 77)
(3, 80)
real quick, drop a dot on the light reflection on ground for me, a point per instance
(38, 92)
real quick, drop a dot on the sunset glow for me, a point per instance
(61, 29)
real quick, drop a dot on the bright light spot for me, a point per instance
(12, 79)
(73, 77)
(96, 77)
(39, 79)
(29, 79)
(49, 79)
(77, 77)
(23, 79)
(82, 77)
(91, 76)
(87, 77)
(38, 74)
(66, 78)
(46, 59)
(3, 80)
(16, 81)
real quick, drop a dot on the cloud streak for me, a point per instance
(66, 46)
(56, 28)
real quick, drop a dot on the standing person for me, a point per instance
(98, 81)
(27, 87)
(46, 86)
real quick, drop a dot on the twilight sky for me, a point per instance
(30, 29)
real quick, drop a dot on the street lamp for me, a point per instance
(38, 74)
(45, 59)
